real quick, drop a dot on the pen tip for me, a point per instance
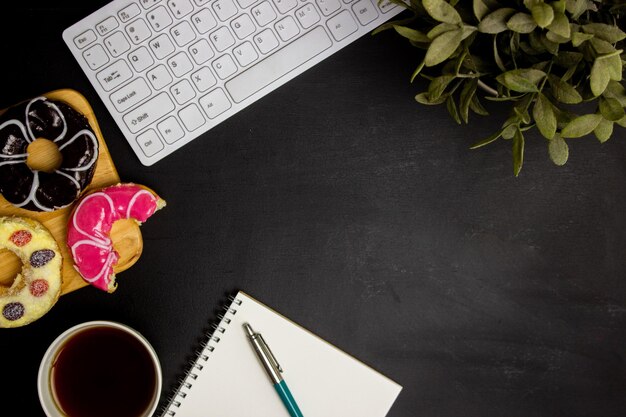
(248, 329)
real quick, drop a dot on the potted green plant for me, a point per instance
(558, 65)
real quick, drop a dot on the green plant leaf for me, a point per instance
(564, 92)
(465, 99)
(600, 76)
(477, 107)
(442, 11)
(581, 126)
(419, 69)
(601, 46)
(544, 116)
(611, 109)
(576, 7)
(604, 130)
(622, 122)
(609, 33)
(578, 38)
(509, 131)
(518, 152)
(614, 66)
(480, 9)
(560, 25)
(543, 14)
(521, 80)
(521, 23)
(411, 34)
(438, 85)
(487, 140)
(617, 91)
(495, 22)
(424, 98)
(558, 150)
(452, 109)
(442, 47)
(441, 28)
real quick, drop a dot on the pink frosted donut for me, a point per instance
(90, 225)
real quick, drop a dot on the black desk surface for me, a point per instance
(363, 216)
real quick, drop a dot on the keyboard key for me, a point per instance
(191, 117)
(215, 103)
(224, 9)
(203, 79)
(224, 66)
(162, 46)
(278, 64)
(307, 16)
(182, 92)
(183, 33)
(243, 26)
(170, 130)
(245, 54)
(148, 3)
(95, 57)
(365, 11)
(149, 142)
(180, 8)
(328, 7)
(159, 77)
(131, 94)
(203, 21)
(201, 2)
(84, 39)
(107, 25)
(342, 25)
(386, 6)
(140, 59)
(287, 28)
(117, 44)
(128, 12)
(138, 31)
(201, 51)
(263, 13)
(222, 39)
(265, 41)
(159, 18)
(180, 64)
(246, 3)
(149, 112)
(284, 6)
(114, 75)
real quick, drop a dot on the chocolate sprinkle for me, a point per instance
(41, 257)
(13, 311)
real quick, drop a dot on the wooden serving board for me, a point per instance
(125, 235)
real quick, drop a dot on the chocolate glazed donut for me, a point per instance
(69, 130)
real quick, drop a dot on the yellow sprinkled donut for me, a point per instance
(37, 288)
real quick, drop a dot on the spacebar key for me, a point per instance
(149, 112)
(278, 64)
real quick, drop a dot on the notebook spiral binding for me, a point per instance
(202, 355)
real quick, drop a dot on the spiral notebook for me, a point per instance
(227, 380)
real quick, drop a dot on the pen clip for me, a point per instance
(269, 353)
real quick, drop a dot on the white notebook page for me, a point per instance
(325, 381)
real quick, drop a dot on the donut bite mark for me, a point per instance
(37, 288)
(89, 228)
(76, 141)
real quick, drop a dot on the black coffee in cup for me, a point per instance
(104, 371)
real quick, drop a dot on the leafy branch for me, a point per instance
(550, 61)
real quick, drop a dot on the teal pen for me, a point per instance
(273, 370)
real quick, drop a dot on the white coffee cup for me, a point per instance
(44, 378)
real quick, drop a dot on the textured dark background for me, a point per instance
(343, 204)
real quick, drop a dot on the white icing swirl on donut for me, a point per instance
(30, 137)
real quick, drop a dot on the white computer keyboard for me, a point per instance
(169, 70)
